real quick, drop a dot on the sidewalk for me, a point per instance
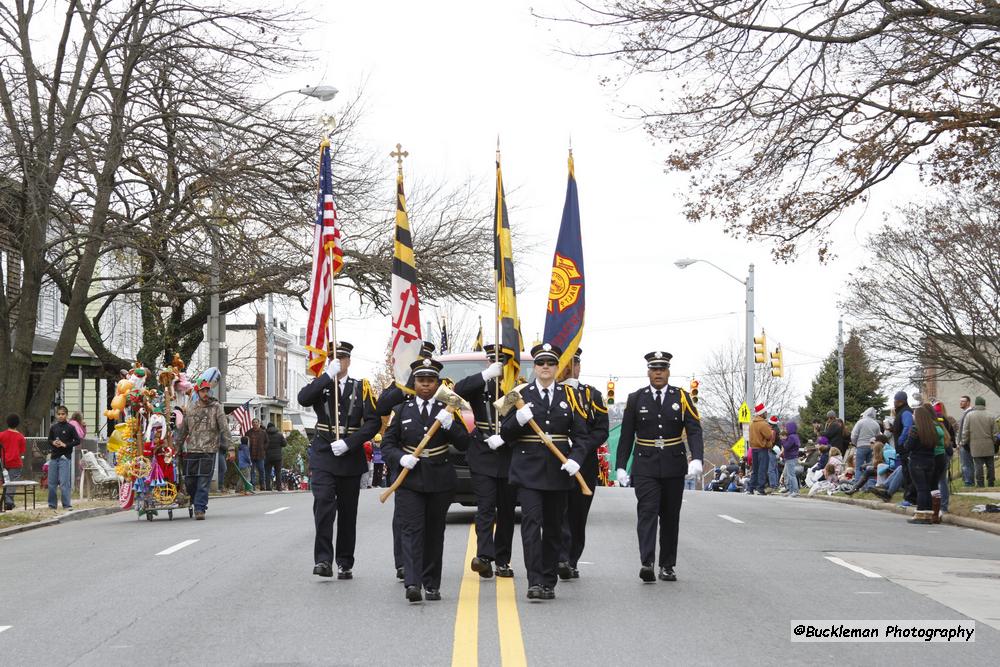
(948, 518)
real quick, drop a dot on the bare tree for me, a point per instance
(787, 113)
(722, 392)
(931, 293)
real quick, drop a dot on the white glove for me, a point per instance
(494, 442)
(621, 477)
(571, 467)
(408, 461)
(333, 368)
(494, 370)
(445, 418)
(525, 415)
(694, 468)
(339, 448)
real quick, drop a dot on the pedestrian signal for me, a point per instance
(694, 391)
(777, 363)
(611, 392)
(760, 348)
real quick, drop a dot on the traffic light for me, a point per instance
(760, 348)
(694, 391)
(777, 363)
(611, 392)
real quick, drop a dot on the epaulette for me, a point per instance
(573, 402)
(686, 405)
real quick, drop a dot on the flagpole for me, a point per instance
(331, 346)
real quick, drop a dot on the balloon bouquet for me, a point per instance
(142, 441)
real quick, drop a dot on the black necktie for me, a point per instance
(424, 415)
(659, 399)
(545, 399)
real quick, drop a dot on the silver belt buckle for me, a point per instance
(659, 442)
(424, 454)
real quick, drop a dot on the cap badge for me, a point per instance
(547, 347)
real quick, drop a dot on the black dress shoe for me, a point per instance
(413, 594)
(432, 594)
(667, 574)
(504, 571)
(400, 574)
(646, 574)
(535, 592)
(548, 593)
(564, 570)
(344, 573)
(323, 570)
(576, 573)
(482, 566)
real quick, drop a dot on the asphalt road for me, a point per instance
(95, 592)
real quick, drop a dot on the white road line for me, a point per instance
(5, 627)
(280, 509)
(855, 568)
(176, 547)
(728, 518)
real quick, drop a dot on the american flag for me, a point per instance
(326, 242)
(243, 417)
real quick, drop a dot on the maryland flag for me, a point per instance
(564, 315)
(478, 345)
(404, 348)
(510, 334)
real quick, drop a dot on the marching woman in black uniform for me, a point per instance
(489, 462)
(423, 499)
(338, 460)
(574, 531)
(542, 483)
(657, 420)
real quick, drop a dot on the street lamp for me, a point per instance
(216, 321)
(748, 283)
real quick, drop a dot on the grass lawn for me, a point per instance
(957, 505)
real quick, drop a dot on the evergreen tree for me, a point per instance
(861, 386)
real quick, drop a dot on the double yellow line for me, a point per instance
(465, 652)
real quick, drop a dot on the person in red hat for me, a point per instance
(204, 427)
(761, 440)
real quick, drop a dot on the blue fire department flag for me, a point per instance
(564, 316)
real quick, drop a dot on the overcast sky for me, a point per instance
(446, 78)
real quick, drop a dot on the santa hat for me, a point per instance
(760, 409)
(773, 419)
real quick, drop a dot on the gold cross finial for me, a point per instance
(399, 154)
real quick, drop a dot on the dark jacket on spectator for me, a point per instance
(258, 443)
(275, 441)
(834, 432)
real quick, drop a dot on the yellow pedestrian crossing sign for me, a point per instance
(740, 448)
(744, 413)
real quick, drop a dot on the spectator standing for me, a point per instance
(243, 462)
(12, 449)
(978, 432)
(951, 442)
(926, 453)
(761, 440)
(772, 454)
(275, 443)
(901, 426)
(861, 437)
(76, 421)
(258, 453)
(790, 455)
(62, 439)
(965, 403)
(834, 431)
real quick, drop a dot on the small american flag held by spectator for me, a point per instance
(243, 417)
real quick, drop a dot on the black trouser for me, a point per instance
(274, 466)
(574, 527)
(659, 500)
(909, 488)
(422, 522)
(925, 471)
(335, 497)
(397, 532)
(981, 462)
(541, 533)
(495, 499)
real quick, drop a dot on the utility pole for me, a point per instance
(840, 368)
(271, 379)
(749, 365)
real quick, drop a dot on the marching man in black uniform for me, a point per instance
(337, 460)
(423, 499)
(542, 483)
(489, 462)
(657, 420)
(574, 531)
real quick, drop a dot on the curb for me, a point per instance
(76, 515)
(962, 521)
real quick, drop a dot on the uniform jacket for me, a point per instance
(978, 431)
(482, 460)
(643, 424)
(592, 402)
(358, 424)
(532, 465)
(435, 472)
(205, 428)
